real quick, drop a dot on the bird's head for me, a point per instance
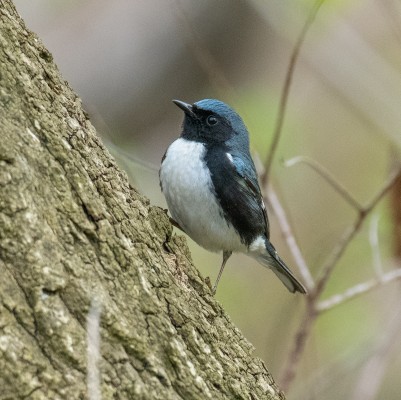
(212, 121)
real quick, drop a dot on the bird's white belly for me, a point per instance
(187, 186)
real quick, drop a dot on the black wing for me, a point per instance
(237, 189)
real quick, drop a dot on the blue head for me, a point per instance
(211, 122)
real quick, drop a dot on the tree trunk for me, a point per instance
(73, 232)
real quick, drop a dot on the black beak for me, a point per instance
(187, 108)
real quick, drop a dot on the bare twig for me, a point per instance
(93, 351)
(348, 235)
(359, 289)
(311, 312)
(290, 238)
(301, 337)
(327, 176)
(118, 151)
(391, 181)
(374, 244)
(286, 90)
(396, 210)
(373, 373)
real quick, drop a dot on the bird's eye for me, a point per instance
(211, 120)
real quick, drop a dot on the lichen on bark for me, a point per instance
(73, 230)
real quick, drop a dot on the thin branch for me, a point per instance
(286, 90)
(93, 350)
(348, 235)
(311, 312)
(118, 151)
(358, 290)
(373, 373)
(290, 238)
(374, 244)
(395, 208)
(301, 337)
(328, 177)
(386, 187)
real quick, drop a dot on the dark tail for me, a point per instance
(277, 265)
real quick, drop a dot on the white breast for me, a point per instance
(188, 187)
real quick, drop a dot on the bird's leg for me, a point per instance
(226, 256)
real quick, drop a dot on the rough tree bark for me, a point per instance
(73, 230)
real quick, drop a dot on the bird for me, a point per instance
(211, 187)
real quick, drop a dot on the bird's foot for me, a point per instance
(208, 282)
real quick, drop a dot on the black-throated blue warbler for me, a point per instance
(211, 186)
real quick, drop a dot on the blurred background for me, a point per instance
(128, 59)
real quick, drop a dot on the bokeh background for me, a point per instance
(128, 59)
